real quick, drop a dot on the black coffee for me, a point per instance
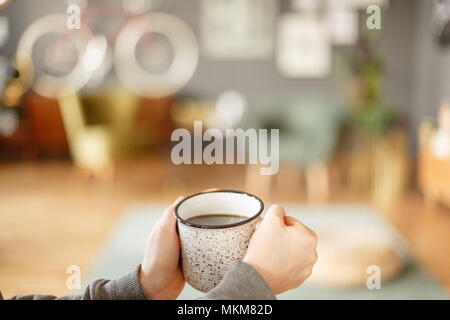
(216, 219)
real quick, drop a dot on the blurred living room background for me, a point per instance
(88, 107)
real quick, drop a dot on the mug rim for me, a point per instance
(220, 226)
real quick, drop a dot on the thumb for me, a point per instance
(291, 222)
(275, 213)
(168, 213)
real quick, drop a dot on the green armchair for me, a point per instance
(309, 133)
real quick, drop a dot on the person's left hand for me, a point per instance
(160, 276)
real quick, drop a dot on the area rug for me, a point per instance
(125, 246)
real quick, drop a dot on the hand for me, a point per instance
(160, 276)
(282, 250)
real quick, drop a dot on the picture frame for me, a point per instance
(236, 29)
(303, 46)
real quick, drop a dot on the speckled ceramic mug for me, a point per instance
(208, 251)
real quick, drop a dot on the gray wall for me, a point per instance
(430, 65)
(253, 78)
(417, 71)
(397, 52)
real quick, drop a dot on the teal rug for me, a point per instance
(125, 246)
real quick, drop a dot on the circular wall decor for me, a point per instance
(51, 58)
(4, 3)
(170, 47)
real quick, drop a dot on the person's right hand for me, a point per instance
(282, 250)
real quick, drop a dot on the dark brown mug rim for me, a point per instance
(222, 226)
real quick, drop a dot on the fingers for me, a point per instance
(292, 222)
(168, 213)
(275, 213)
(212, 189)
(313, 235)
(258, 224)
(315, 257)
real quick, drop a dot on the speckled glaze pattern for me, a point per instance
(207, 254)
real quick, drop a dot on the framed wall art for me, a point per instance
(236, 29)
(303, 47)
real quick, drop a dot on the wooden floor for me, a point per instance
(52, 217)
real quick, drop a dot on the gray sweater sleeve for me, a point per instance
(124, 288)
(241, 282)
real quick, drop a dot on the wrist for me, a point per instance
(150, 285)
(157, 286)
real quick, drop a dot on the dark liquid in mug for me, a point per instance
(216, 219)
